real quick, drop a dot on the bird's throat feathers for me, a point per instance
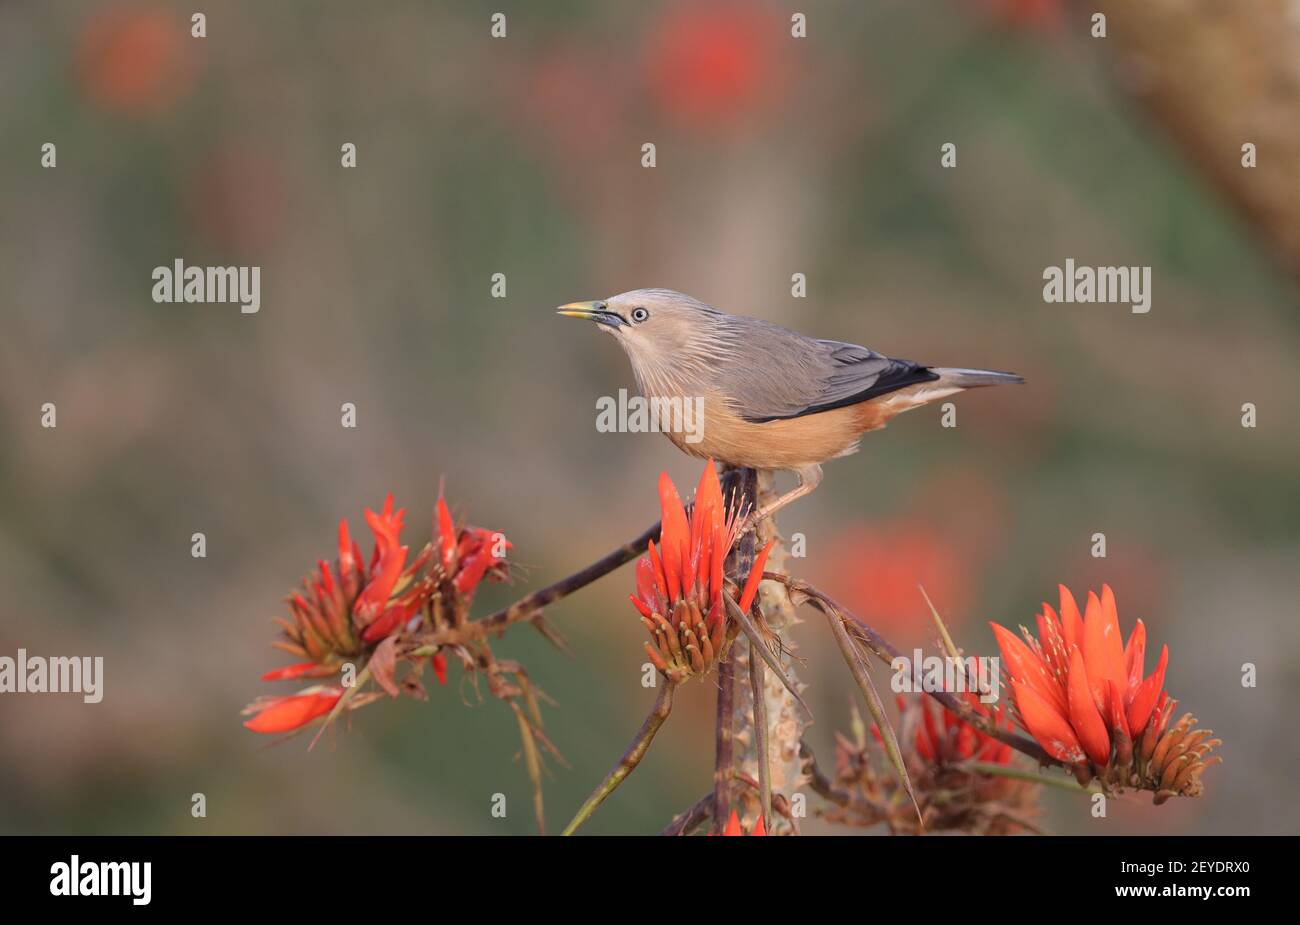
(683, 365)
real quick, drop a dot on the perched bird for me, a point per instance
(772, 398)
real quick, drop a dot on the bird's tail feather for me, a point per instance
(950, 381)
(958, 378)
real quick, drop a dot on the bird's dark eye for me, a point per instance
(640, 314)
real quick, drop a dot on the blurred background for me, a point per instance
(522, 156)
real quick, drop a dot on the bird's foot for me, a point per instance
(809, 478)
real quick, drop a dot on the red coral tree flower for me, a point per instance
(942, 737)
(349, 608)
(342, 613)
(680, 583)
(1082, 692)
(952, 765)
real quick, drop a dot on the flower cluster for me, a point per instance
(1083, 694)
(346, 611)
(943, 738)
(951, 793)
(680, 583)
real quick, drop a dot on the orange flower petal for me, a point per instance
(1134, 657)
(1052, 642)
(1028, 668)
(1115, 718)
(302, 669)
(347, 560)
(1048, 727)
(1144, 701)
(644, 609)
(1071, 622)
(690, 564)
(674, 534)
(1103, 646)
(708, 499)
(285, 714)
(446, 534)
(657, 569)
(755, 576)
(645, 579)
(1084, 715)
(706, 522)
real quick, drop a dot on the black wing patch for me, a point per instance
(855, 375)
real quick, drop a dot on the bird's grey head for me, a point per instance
(671, 339)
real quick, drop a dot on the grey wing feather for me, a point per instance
(775, 373)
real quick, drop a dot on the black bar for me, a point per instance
(331, 876)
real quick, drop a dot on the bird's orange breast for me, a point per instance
(790, 443)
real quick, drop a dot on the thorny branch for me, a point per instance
(723, 755)
(884, 651)
(742, 485)
(756, 672)
(531, 606)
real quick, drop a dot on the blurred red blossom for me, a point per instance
(715, 64)
(880, 567)
(1026, 13)
(573, 103)
(235, 198)
(134, 59)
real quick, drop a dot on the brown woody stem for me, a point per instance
(882, 649)
(757, 670)
(723, 757)
(531, 605)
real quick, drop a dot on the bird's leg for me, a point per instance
(809, 478)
